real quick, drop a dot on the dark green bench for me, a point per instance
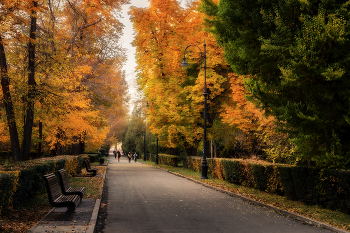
(56, 199)
(88, 167)
(65, 186)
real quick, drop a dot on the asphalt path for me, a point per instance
(141, 198)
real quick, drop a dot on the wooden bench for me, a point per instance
(89, 169)
(65, 186)
(56, 199)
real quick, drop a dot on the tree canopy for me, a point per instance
(60, 68)
(295, 54)
(175, 97)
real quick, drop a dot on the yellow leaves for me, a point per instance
(78, 67)
(4, 135)
(162, 33)
(251, 120)
(83, 70)
(242, 113)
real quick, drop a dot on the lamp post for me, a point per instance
(205, 94)
(156, 159)
(144, 137)
(144, 146)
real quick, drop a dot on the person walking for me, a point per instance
(115, 154)
(135, 157)
(129, 156)
(119, 155)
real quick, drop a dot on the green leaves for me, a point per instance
(297, 53)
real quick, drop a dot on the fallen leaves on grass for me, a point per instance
(20, 221)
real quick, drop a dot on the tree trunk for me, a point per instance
(191, 151)
(82, 147)
(28, 127)
(40, 154)
(82, 142)
(11, 121)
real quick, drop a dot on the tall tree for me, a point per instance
(296, 54)
(175, 96)
(73, 61)
(29, 116)
(10, 15)
(11, 121)
(257, 134)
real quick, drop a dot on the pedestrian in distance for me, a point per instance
(129, 156)
(135, 157)
(119, 155)
(115, 154)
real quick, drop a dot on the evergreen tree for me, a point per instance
(295, 55)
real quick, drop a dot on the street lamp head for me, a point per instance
(184, 64)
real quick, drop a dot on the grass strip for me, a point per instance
(334, 218)
(91, 184)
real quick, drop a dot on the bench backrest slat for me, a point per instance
(52, 186)
(87, 164)
(64, 179)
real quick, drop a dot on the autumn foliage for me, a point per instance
(67, 77)
(175, 97)
(175, 100)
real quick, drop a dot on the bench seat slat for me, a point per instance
(65, 186)
(56, 199)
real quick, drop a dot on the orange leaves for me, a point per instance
(175, 96)
(242, 113)
(78, 66)
(257, 127)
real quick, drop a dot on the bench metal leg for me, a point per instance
(71, 209)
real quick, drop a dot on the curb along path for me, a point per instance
(276, 209)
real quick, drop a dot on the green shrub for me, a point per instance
(286, 180)
(149, 157)
(260, 177)
(313, 179)
(93, 158)
(193, 163)
(6, 190)
(232, 170)
(22, 180)
(273, 180)
(216, 169)
(171, 160)
(38, 180)
(327, 187)
(246, 174)
(334, 189)
(305, 180)
(24, 190)
(60, 164)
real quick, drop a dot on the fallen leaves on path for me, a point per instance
(20, 221)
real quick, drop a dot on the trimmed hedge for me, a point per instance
(7, 188)
(21, 181)
(171, 160)
(326, 187)
(194, 163)
(92, 157)
(149, 157)
(165, 159)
